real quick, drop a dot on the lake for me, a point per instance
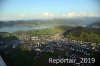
(22, 28)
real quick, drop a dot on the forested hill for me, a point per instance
(79, 29)
(95, 24)
(88, 34)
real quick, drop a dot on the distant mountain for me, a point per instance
(95, 24)
(82, 21)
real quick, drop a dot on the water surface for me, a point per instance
(21, 28)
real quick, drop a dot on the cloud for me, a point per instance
(47, 14)
(80, 14)
(21, 15)
(12, 17)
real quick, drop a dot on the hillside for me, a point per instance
(84, 34)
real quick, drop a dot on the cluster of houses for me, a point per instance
(31, 41)
(55, 41)
(52, 43)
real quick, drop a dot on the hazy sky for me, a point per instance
(32, 9)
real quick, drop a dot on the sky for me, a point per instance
(37, 9)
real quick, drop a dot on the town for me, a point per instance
(54, 44)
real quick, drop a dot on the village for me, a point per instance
(56, 43)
